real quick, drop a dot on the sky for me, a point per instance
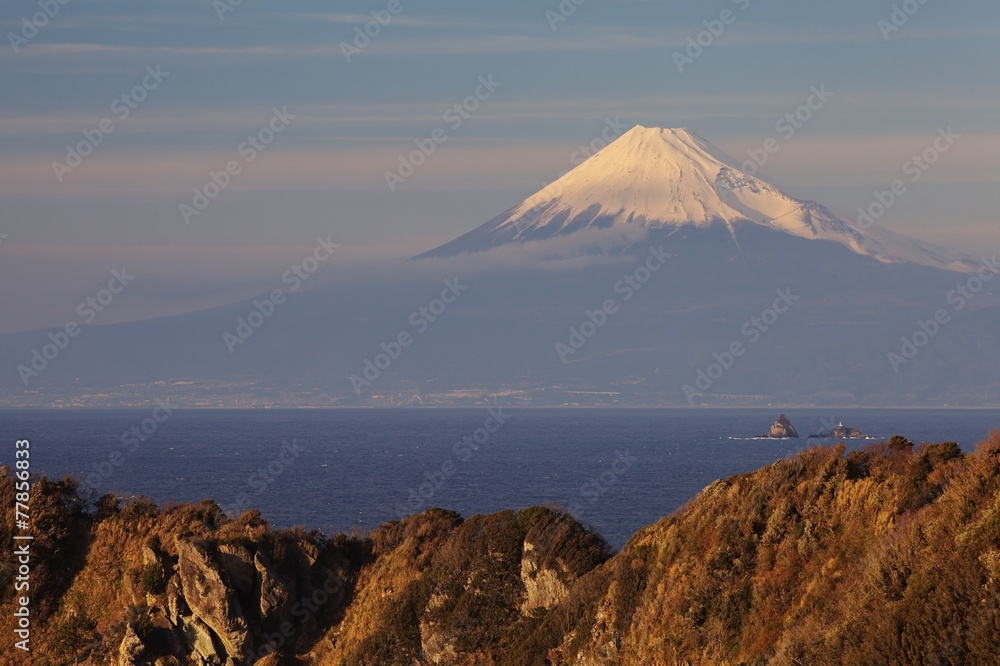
(310, 117)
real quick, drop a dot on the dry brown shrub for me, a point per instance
(989, 446)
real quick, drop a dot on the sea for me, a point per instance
(616, 470)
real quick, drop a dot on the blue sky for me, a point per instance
(324, 173)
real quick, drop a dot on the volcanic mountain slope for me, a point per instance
(887, 555)
(830, 348)
(672, 178)
(864, 328)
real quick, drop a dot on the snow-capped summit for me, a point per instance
(656, 177)
(669, 178)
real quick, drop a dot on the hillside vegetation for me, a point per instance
(888, 555)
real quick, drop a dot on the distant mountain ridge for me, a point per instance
(672, 178)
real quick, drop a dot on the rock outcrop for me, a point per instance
(213, 601)
(129, 649)
(544, 587)
(782, 429)
(840, 432)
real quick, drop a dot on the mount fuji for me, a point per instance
(665, 180)
(651, 268)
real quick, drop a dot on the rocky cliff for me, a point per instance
(888, 555)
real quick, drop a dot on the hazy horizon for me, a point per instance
(214, 77)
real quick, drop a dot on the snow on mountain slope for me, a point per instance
(664, 178)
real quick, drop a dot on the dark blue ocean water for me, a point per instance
(362, 467)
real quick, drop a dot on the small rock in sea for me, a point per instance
(782, 429)
(840, 432)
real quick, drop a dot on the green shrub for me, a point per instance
(151, 578)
